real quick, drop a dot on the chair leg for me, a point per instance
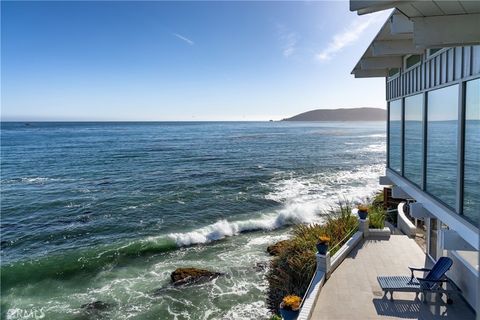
(391, 295)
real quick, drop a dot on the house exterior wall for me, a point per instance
(465, 277)
(445, 67)
(439, 82)
(452, 70)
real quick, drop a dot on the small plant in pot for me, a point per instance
(362, 211)
(322, 244)
(290, 307)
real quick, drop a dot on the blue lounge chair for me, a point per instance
(433, 282)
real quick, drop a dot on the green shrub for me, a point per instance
(376, 216)
(378, 199)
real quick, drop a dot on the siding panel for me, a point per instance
(476, 60)
(447, 66)
(458, 63)
(466, 61)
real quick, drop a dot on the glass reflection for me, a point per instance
(413, 139)
(395, 136)
(442, 148)
(471, 196)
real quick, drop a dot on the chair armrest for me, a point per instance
(412, 269)
(419, 269)
(439, 280)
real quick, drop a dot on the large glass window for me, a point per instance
(471, 193)
(412, 167)
(442, 150)
(395, 136)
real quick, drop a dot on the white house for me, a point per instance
(429, 53)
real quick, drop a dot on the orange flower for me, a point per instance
(363, 207)
(291, 302)
(324, 239)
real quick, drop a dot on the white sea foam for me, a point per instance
(261, 241)
(293, 213)
(256, 310)
(376, 148)
(375, 135)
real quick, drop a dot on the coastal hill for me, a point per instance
(353, 114)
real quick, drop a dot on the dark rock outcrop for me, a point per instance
(261, 266)
(276, 248)
(96, 305)
(192, 275)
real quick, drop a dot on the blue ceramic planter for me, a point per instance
(322, 248)
(288, 314)
(362, 214)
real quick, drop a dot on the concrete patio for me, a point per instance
(352, 291)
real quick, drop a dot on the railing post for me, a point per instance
(323, 263)
(363, 227)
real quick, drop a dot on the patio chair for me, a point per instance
(432, 283)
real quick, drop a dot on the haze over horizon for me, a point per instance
(165, 61)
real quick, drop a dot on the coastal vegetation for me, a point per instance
(376, 212)
(294, 261)
(376, 216)
(292, 269)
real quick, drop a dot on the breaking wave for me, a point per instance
(305, 199)
(291, 214)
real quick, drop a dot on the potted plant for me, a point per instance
(290, 307)
(322, 244)
(362, 211)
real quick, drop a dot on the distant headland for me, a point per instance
(353, 114)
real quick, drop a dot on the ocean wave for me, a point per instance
(292, 213)
(376, 148)
(68, 264)
(376, 135)
(34, 180)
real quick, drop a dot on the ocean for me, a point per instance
(106, 211)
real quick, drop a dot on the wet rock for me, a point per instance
(192, 275)
(261, 266)
(276, 248)
(5, 243)
(96, 305)
(84, 219)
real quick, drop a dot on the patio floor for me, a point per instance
(352, 291)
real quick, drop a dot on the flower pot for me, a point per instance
(362, 214)
(322, 248)
(289, 314)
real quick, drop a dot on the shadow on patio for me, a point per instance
(352, 291)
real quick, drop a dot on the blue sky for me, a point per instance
(182, 60)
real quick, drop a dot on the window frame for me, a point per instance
(436, 53)
(395, 75)
(405, 58)
(402, 129)
(423, 168)
(459, 184)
